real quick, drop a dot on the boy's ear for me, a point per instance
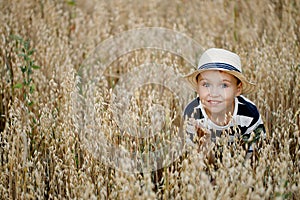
(239, 89)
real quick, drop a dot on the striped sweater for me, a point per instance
(245, 121)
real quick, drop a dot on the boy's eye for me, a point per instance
(224, 85)
(205, 84)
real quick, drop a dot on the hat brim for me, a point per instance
(247, 87)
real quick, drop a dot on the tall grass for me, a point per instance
(42, 153)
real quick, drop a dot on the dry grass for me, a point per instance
(42, 154)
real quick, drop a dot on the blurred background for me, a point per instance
(43, 45)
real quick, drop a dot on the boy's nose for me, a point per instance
(214, 91)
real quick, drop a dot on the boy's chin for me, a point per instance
(216, 112)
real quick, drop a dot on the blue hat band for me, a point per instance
(218, 66)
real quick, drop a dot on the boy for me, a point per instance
(220, 107)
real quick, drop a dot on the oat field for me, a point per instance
(53, 146)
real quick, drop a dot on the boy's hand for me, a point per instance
(203, 135)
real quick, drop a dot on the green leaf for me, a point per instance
(71, 2)
(16, 37)
(34, 121)
(26, 44)
(29, 71)
(23, 69)
(31, 88)
(27, 58)
(18, 85)
(22, 55)
(35, 67)
(30, 52)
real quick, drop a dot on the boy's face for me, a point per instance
(217, 91)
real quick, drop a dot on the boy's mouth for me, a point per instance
(214, 102)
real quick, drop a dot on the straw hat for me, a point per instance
(222, 60)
